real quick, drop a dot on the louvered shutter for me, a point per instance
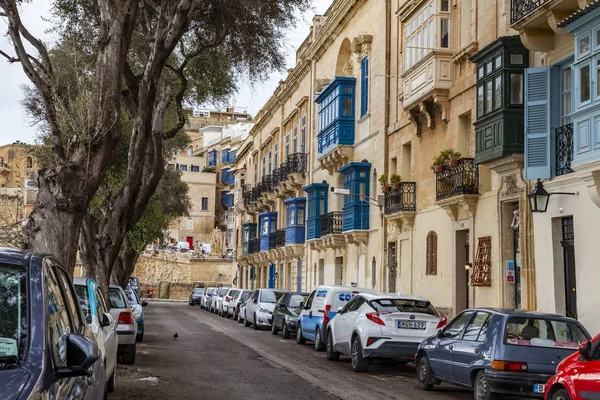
(364, 88)
(431, 268)
(537, 123)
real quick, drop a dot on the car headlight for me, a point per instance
(264, 310)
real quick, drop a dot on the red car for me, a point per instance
(578, 375)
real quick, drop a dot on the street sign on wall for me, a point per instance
(510, 271)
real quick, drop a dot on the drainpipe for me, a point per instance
(386, 123)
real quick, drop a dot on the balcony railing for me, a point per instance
(402, 199)
(564, 149)
(459, 180)
(332, 223)
(272, 240)
(267, 184)
(519, 9)
(247, 194)
(296, 163)
(253, 245)
(280, 238)
(276, 176)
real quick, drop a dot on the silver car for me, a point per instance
(228, 303)
(260, 306)
(217, 300)
(127, 326)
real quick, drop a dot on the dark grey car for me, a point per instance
(46, 348)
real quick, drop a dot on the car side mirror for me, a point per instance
(440, 333)
(302, 305)
(585, 349)
(105, 320)
(144, 303)
(81, 354)
(339, 310)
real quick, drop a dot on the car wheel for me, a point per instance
(140, 337)
(256, 327)
(190, 303)
(481, 389)
(285, 332)
(274, 329)
(359, 363)
(319, 345)
(246, 322)
(332, 355)
(424, 373)
(129, 356)
(299, 337)
(561, 394)
(112, 381)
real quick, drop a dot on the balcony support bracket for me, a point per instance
(460, 207)
(590, 175)
(403, 221)
(357, 237)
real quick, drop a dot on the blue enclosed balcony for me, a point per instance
(225, 156)
(268, 224)
(317, 206)
(336, 115)
(295, 231)
(227, 198)
(248, 234)
(356, 205)
(212, 158)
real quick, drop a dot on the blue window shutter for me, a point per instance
(364, 87)
(537, 123)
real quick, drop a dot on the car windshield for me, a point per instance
(199, 291)
(403, 305)
(232, 293)
(296, 300)
(133, 281)
(543, 332)
(222, 291)
(133, 299)
(270, 296)
(116, 298)
(84, 299)
(13, 313)
(245, 295)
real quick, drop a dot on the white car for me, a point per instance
(227, 303)
(205, 299)
(241, 318)
(260, 306)
(391, 326)
(127, 326)
(217, 300)
(96, 312)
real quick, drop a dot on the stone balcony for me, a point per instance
(401, 205)
(457, 188)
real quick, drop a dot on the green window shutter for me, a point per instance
(537, 123)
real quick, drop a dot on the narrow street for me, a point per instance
(221, 358)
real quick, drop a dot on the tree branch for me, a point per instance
(9, 58)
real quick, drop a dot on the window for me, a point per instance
(264, 166)
(116, 298)
(346, 106)
(516, 88)
(488, 96)
(445, 5)
(276, 154)
(498, 92)
(190, 224)
(364, 87)
(101, 308)
(303, 134)
(584, 45)
(584, 83)
(565, 96)
(402, 305)
(59, 324)
(287, 145)
(183, 167)
(456, 326)
(431, 268)
(195, 168)
(516, 59)
(295, 146)
(480, 101)
(419, 35)
(474, 330)
(444, 28)
(204, 203)
(13, 303)
(542, 332)
(84, 300)
(270, 162)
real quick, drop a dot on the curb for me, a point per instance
(164, 300)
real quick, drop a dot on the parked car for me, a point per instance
(242, 313)
(497, 351)
(127, 326)
(227, 302)
(217, 300)
(96, 313)
(47, 350)
(135, 284)
(286, 313)
(137, 307)
(207, 298)
(578, 375)
(196, 296)
(371, 326)
(238, 299)
(260, 306)
(320, 308)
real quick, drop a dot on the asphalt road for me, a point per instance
(217, 358)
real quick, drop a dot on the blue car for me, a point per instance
(138, 311)
(498, 352)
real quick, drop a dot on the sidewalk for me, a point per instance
(155, 300)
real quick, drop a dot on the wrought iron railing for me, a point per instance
(402, 199)
(458, 180)
(247, 194)
(296, 163)
(519, 9)
(564, 149)
(331, 223)
(267, 184)
(276, 175)
(280, 238)
(253, 245)
(272, 240)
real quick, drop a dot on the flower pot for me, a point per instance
(396, 185)
(438, 169)
(452, 163)
(385, 188)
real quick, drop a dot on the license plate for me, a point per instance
(539, 388)
(411, 325)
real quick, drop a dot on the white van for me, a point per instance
(321, 306)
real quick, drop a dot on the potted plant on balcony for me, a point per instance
(395, 180)
(438, 162)
(383, 182)
(453, 157)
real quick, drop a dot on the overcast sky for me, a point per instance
(14, 125)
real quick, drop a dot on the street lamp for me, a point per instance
(346, 192)
(539, 197)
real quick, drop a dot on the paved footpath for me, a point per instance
(218, 358)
